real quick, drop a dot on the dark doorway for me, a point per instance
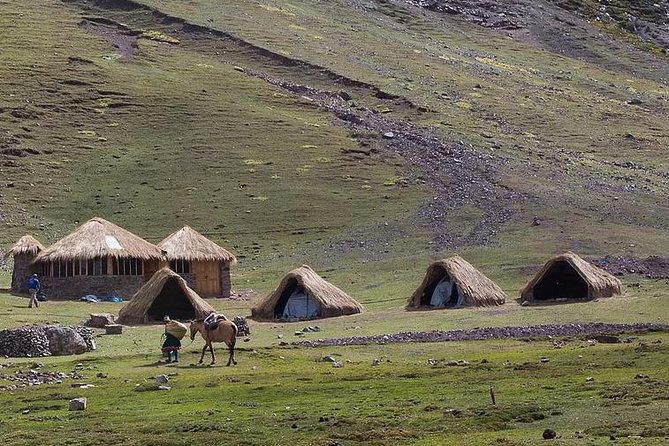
(173, 302)
(451, 300)
(561, 281)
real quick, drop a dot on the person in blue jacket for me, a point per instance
(33, 288)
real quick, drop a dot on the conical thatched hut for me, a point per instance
(165, 293)
(303, 294)
(454, 282)
(569, 276)
(204, 264)
(23, 252)
(97, 258)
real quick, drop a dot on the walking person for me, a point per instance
(33, 288)
(172, 343)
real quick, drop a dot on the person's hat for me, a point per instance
(166, 318)
(34, 275)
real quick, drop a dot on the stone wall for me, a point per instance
(226, 281)
(101, 286)
(23, 269)
(189, 278)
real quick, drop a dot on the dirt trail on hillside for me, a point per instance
(478, 334)
(458, 175)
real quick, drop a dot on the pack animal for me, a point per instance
(225, 331)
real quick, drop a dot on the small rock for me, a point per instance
(589, 379)
(641, 376)
(635, 101)
(328, 358)
(607, 339)
(240, 69)
(113, 329)
(545, 360)
(549, 434)
(162, 379)
(337, 364)
(25, 411)
(344, 95)
(101, 375)
(78, 404)
(389, 135)
(164, 388)
(376, 362)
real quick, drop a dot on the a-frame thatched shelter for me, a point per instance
(166, 293)
(454, 282)
(204, 264)
(23, 252)
(303, 294)
(569, 276)
(99, 258)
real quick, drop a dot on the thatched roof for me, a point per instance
(100, 238)
(477, 289)
(599, 282)
(188, 244)
(26, 245)
(333, 301)
(137, 310)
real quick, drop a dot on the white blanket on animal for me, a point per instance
(441, 296)
(301, 305)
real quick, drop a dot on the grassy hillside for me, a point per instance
(159, 114)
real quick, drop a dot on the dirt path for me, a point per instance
(532, 331)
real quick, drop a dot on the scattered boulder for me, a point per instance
(65, 341)
(162, 379)
(113, 329)
(607, 339)
(328, 358)
(78, 404)
(344, 95)
(549, 434)
(100, 320)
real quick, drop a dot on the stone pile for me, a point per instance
(242, 326)
(46, 340)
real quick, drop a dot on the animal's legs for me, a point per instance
(202, 355)
(211, 349)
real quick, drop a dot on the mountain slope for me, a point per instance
(262, 124)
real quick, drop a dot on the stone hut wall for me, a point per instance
(101, 286)
(189, 278)
(23, 269)
(226, 280)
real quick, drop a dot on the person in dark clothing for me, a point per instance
(172, 344)
(33, 288)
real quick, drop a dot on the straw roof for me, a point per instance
(599, 282)
(26, 245)
(136, 311)
(100, 238)
(477, 289)
(188, 244)
(333, 301)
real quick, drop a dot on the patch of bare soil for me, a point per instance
(655, 267)
(123, 40)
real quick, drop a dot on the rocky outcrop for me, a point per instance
(46, 340)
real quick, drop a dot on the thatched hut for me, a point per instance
(24, 253)
(165, 293)
(454, 282)
(568, 276)
(204, 264)
(97, 258)
(302, 295)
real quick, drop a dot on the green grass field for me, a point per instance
(285, 395)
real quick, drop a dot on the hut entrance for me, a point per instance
(171, 301)
(296, 303)
(561, 281)
(442, 292)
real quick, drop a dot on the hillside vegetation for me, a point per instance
(262, 125)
